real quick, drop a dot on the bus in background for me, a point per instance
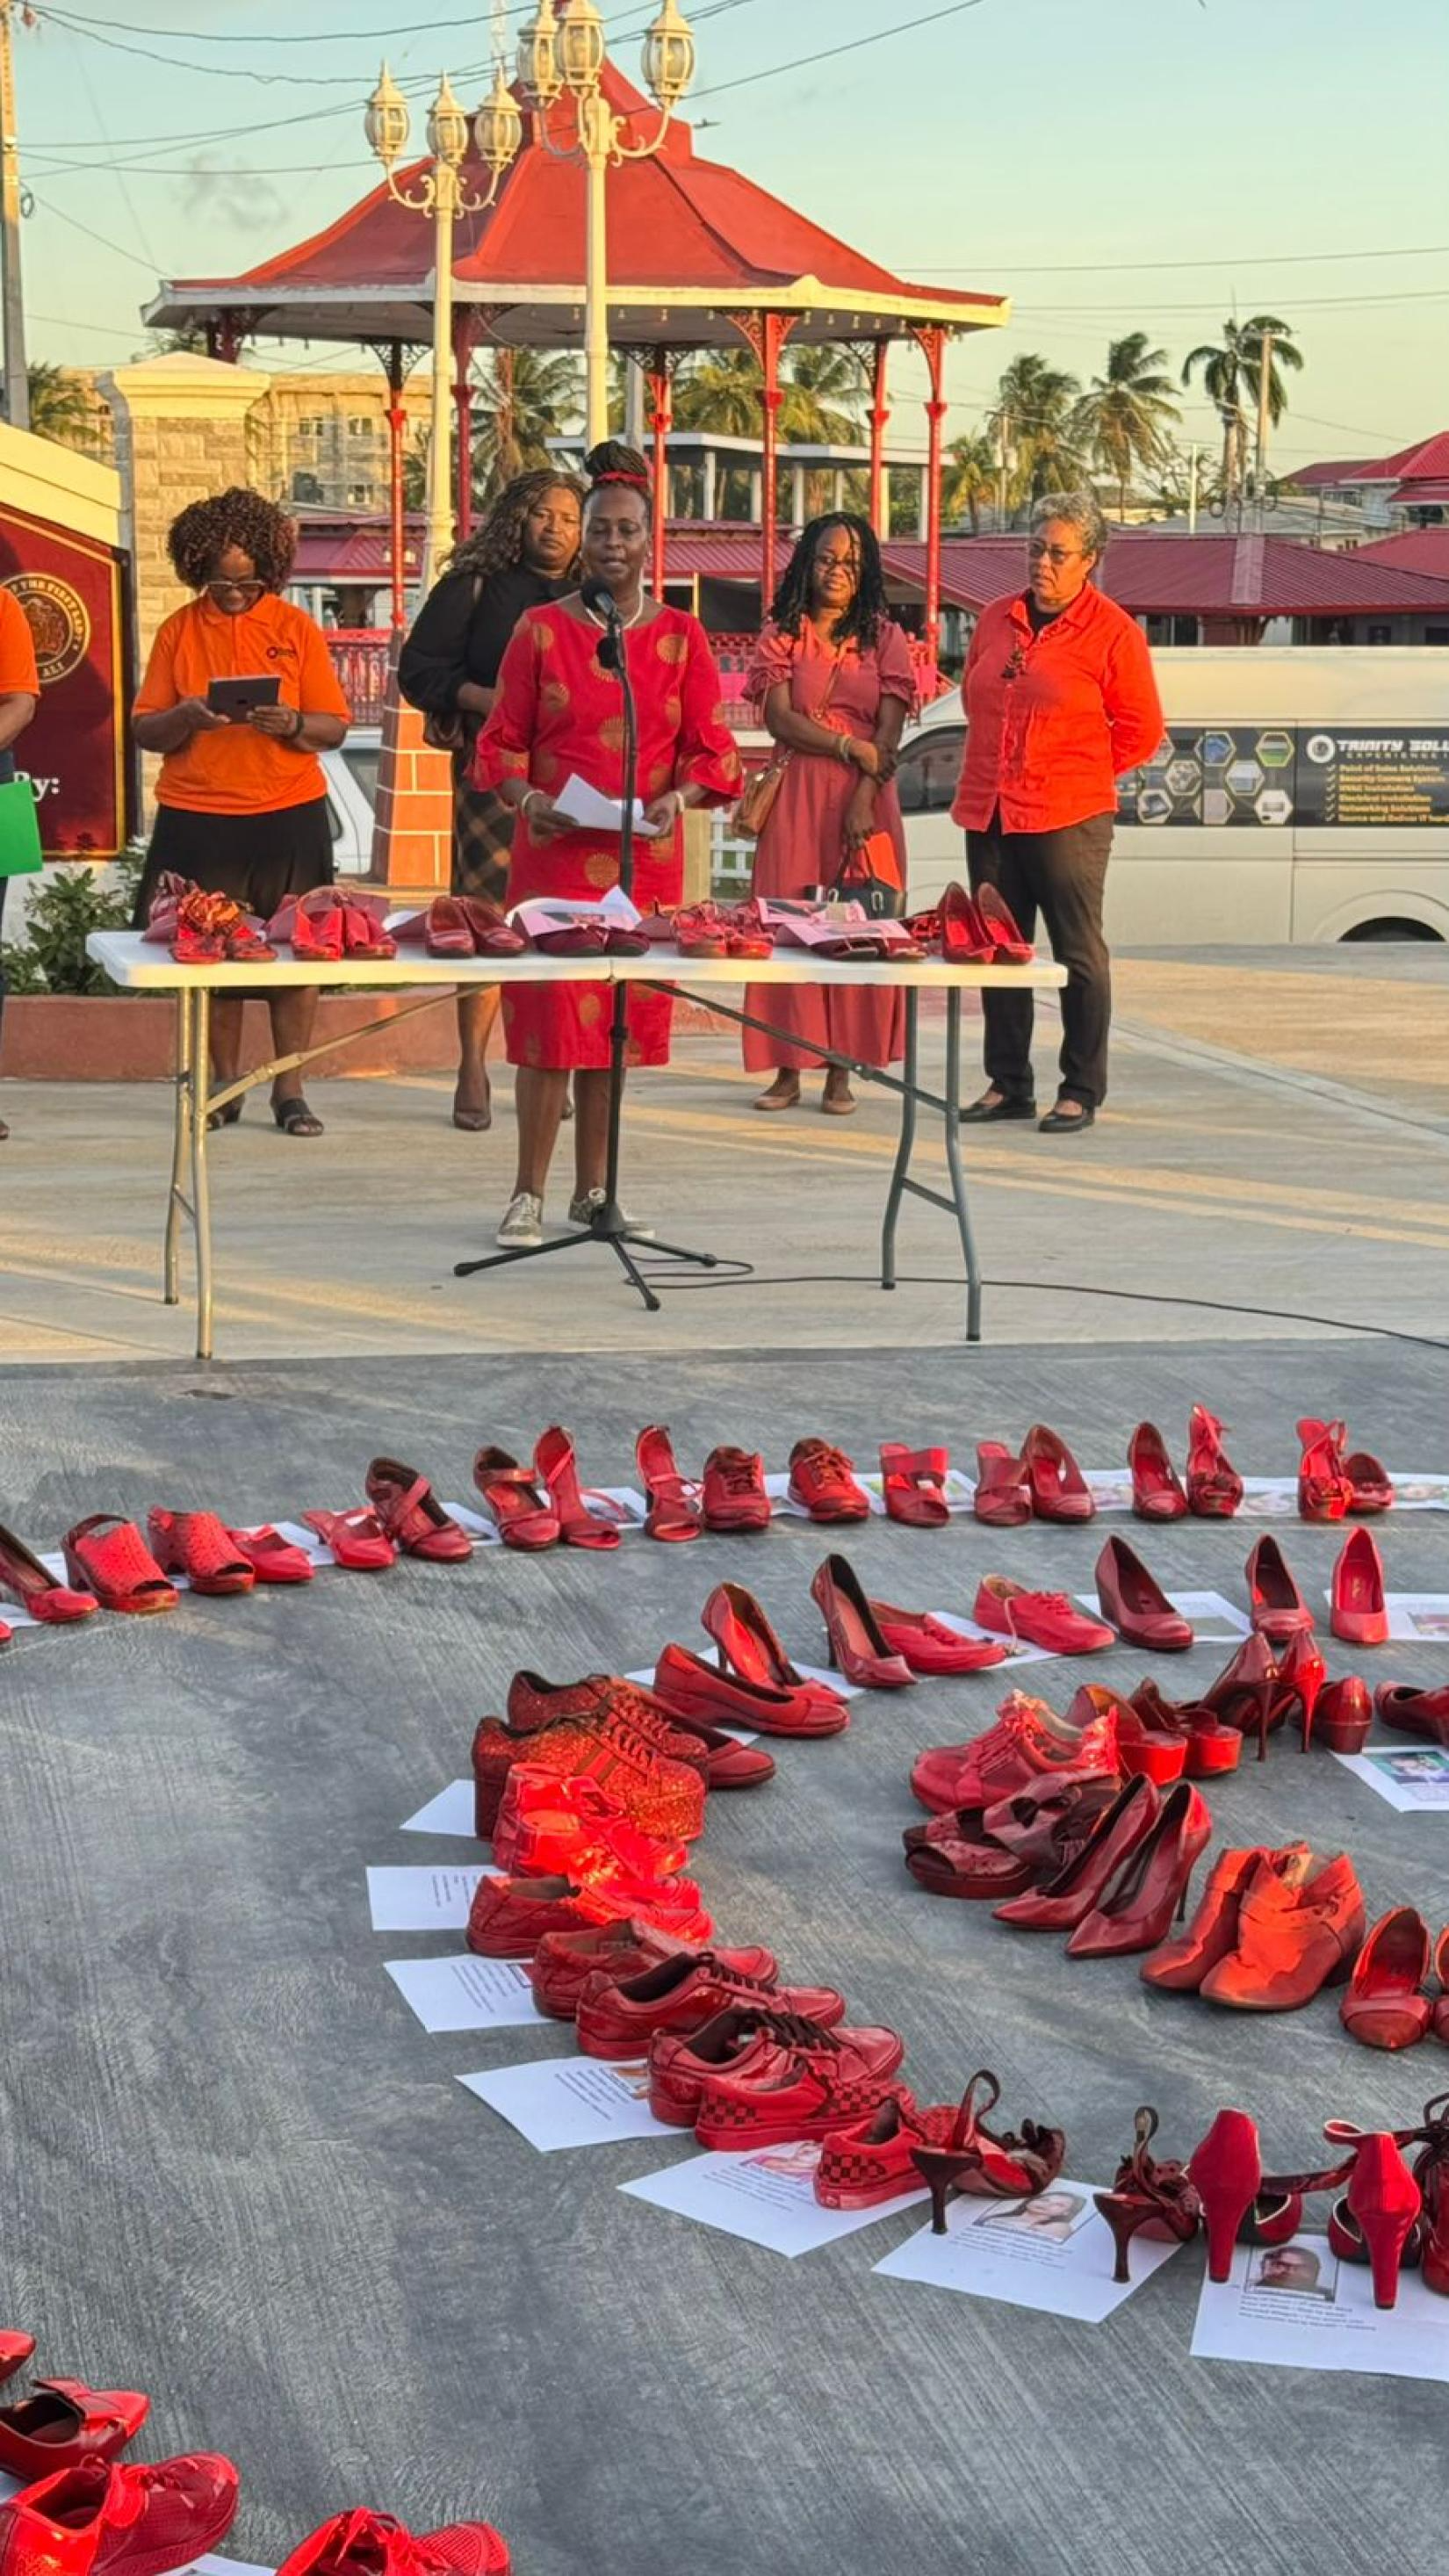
(1299, 794)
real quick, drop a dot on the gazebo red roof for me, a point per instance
(1427, 461)
(689, 242)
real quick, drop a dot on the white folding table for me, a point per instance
(137, 966)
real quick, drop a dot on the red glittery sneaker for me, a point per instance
(659, 1796)
(822, 1478)
(534, 1703)
(564, 1962)
(118, 2518)
(373, 2544)
(550, 1827)
(510, 1916)
(619, 2017)
(818, 2080)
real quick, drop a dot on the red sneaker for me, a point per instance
(534, 1703)
(119, 2519)
(62, 2422)
(373, 2544)
(1026, 1746)
(510, 1916)
(694, 1689)
(620, 2017)
(681, 2066)
(550, 1827)
(823, 1479)
(733, 1493)
(871, 2160)
(1046, 1619)
(818, 2080)
(929, 1646)
(659, 1796)
(564, 1962)
(1058, 1487)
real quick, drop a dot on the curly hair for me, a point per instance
(497, 546)
(868, 611)
(197, 540)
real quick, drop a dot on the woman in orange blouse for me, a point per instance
(242, 807)
(558, 712)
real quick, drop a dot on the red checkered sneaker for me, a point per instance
(870, 2160)
(814, 2081)
(681, 2066)
(619, 2017)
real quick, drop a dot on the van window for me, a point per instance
(928, 771)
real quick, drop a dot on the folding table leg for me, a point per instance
(200, 1180)
(180, 1145)
(957, 1168)
(904, 1146)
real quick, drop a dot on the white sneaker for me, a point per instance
(522, 1223)
(582, 1209)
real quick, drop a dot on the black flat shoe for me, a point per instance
(1054, 1124)
(984, 1112)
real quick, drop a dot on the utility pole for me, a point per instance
(12, 294)
(1265, 383)
(1003, 457)
(1193, 453)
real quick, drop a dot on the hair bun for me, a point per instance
(612, 462)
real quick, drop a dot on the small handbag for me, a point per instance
(870, 877)
(756, 805)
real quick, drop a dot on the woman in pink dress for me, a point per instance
(833, 673)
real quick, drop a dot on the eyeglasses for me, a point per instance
(249, 591)
(1038, 553)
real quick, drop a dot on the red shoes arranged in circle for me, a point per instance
(1271, 1928)
(83, 2511)
(1392, 2214)
(1385, 2004)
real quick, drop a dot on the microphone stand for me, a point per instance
(608, 1223)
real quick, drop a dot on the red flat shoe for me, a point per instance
(913, 1483)
(1372, 1486)
(822, 1478)
(1359, 1615)
(412, 1515)
(246, 945)
(693, 1689)
(509, 1917)
(975, 2161)
(1003, 1488)
(108, 1558)
(564, 1962)
(120, 2518)
(558, 1470)
(819, 2081)
(929, 1646)
(272, 1558)
(1324, 1490)
(361, 2543)
(442, 928)
(1066, 1900)
(1058, 1487)
(748, 1646)
(1151, 1888)
(620, 2017)
(1277, 1608)
(199, 1546)
(1135, 1603)
(25, 1580)
(675, 1511)
(490, 930)
(357, 1539)
(1298, 1929)
(15, 2351)
(1409, 1711)
(1157, 1492)
(1382, 2006)
(63, 2422)
(1345, 1715)
(855, 1645)
(317, 932)
(513, 1502)
(1027, 1747)
(1046, 1619)
(1214, 1487)
(733, 1493)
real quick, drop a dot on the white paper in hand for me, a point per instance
(588, 811)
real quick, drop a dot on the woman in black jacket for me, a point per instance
(524, 553)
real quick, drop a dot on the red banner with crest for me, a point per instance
(74, 752)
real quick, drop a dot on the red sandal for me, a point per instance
(675, 1509)
(107, 1556)
(557, 1464)
(412, 1516)
(513, 1502)
(913, 1481)
(202, 1548)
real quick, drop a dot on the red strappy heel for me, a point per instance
(1214, 1487)
(1325, 1490)
(1147, 2198)
(412, 1516)
(558, 1466)
(854, 1641)
(1003, 1487)
(675, 1509)
(913, 1482)
(974, 2161)
(25, 1580)
(513, 1502)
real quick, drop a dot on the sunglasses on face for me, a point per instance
(249, 591)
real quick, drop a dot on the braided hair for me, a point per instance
(611, 463)
(497, 546)
(198, 538)
(861, 622)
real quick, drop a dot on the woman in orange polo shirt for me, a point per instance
(19, 698)
(241, 808)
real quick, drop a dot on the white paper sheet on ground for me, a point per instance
(1415, 1618)
(1418, 1490)
(1052, 2252)
(583, 806)
(211, 2565)
(1297, 2307)
(1017, 1652)
(423, 1900)
(766, 2195)
(1214, 1620)
(464, 1993)
(559, 2102)
(451, 1812)
(482, 1532)
(1413, 1779)
(297, 1534)
(630, 1509)
(778, 1489)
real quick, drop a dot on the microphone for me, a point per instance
(597, 596)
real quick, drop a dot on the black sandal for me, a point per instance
(226, 1117)
(295, 1118)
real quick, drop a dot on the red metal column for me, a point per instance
(931, 337)
(879, 416)
(767, 334)
(464, 335)
(397, 423)
(661, 417)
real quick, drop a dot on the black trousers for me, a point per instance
(1063, 876)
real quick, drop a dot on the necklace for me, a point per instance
(631, 620)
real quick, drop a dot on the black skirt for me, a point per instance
(255, 858)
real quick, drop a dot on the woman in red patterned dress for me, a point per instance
(557, 713)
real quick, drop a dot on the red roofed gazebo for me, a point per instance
(699, 257)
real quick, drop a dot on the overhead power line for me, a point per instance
(1229, 259)
(829, 53)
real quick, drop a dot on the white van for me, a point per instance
(1300, 794)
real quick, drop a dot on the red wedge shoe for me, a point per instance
(734, 1496)
(24, 1579)
(357, 1539)
(822, 1478)
(1152, 1744)
(513, 1502)
(1212, 1748)
(955, 1856)
(1135, 1603)
(620, 2017)
(1045, 1619)
(1157, 1492)
(558, 1469)
(199, 1546)
(1324, 1490)
(364, 925)
(316, 931)
(412, 1516)
(1214, 1487)
(272, 1558)
(748, 1647)
(674, 1508)
(697, 1691)
(1276, 1606)
(1359, 1615)
(1382, 2006)
(63, 2422)
(1003, 1487)
(929, 1646)
(855, 1645)
(913, 1482)
(1058, 1487)
(108, 1558)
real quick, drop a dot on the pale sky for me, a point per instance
(1110, 164)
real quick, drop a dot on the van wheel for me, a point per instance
(1392, 930)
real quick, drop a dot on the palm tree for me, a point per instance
(527, 397)
(60, 408)
(1231, 377)
(972, 470)
(824, 397)
(1033, 424)
(721, 393)
(1125, 417)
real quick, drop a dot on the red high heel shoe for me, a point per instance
(1244, 1692)
(1382, 2006)
(1214, 1487)
(965, 938)
(1179, 1966)
(412, 1516)
(358, 1541)
(854, 1642)
(1359, 1615)
(558, 1467)
(24, 1579)
(929, 1646)
(1058, 1487)
(1067, 1900)
(975, 2161)
(1147, 2198)
(674, 1511)
(747, 1645)
(1009, 947)
(1135, 1603)
(1324, 1490)
(693, 1690)
(822, 1479)
(1150, 1889)
(1345, 1715)
(1157, 1493)
(1003, 1488)
(107, 1558)
(1276, 1606)
(513, 1502)
(913, 1484)
(1226, 2171)
(1384, 2201)
(1302, 1674)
